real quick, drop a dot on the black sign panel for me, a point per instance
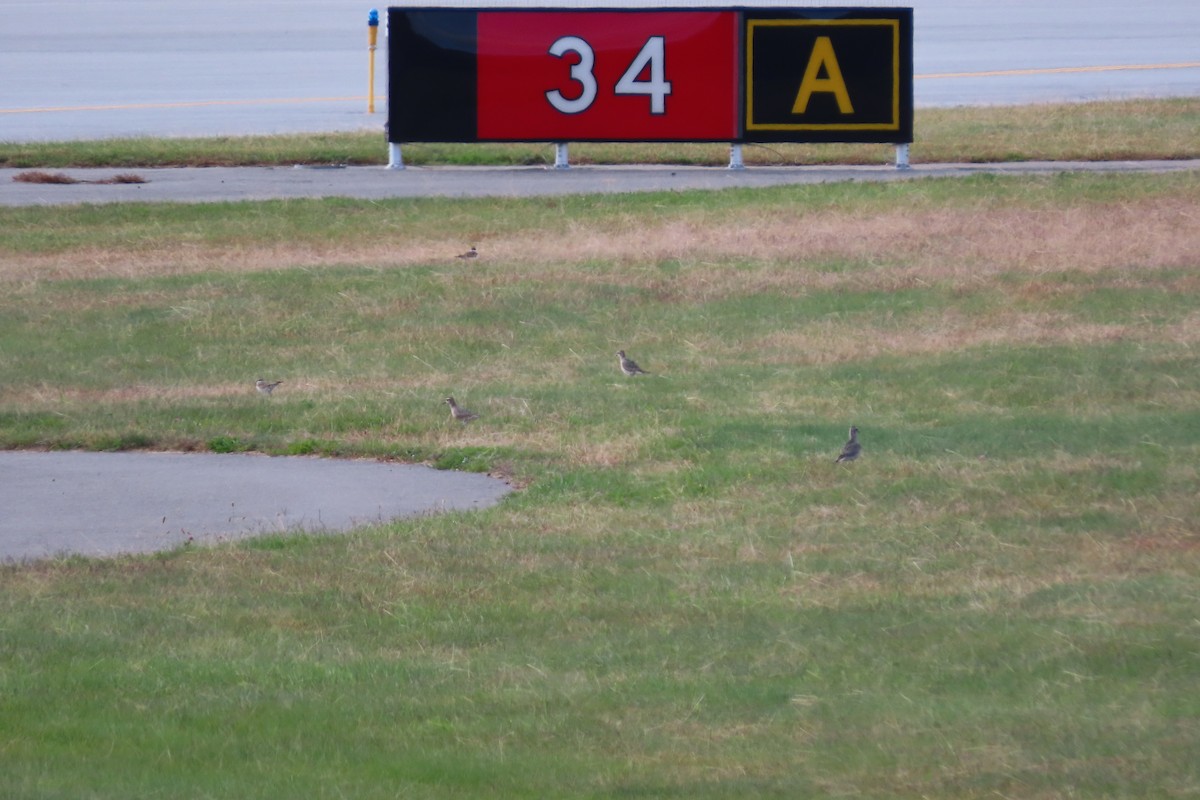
(431, 75)
(828, 75)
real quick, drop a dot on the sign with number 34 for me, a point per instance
(694, 74)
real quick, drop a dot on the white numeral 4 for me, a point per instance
(652, 54)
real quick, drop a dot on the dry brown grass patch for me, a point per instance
(190, 258)
(38, 176)
(71, 396)
(61, 178)
(939, 244)
(885, 249)
(835, 341)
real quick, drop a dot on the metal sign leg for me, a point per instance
(561, 159)
(395, 157)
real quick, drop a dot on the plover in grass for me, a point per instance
(852, 448)
(472, 253)
(264, 387)
(628, 365)
(459, 413)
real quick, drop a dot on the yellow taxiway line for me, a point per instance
(1057, 70)
(186, 104)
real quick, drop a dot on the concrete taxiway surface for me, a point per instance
(96, 69)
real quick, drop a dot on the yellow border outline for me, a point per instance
(894, 125)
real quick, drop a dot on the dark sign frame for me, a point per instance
(795, 75)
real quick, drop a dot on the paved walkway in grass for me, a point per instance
(103, 504)
(217, 184)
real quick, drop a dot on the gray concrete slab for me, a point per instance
(103, 504)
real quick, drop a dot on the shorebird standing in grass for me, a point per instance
(628, 365)
(459, 413)
(472, 253)
(852, 448)
(264, 387)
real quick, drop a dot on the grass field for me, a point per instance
(687, 598)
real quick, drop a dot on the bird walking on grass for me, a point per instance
(459, 413)
(852, 448)
(264, 387)
(628, 365)
(472, 253)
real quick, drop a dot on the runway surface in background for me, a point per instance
(80, 69)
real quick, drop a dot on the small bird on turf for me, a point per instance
(459, 413)
(472, 253)
(264, 387)
(852, 448)
(628, 365)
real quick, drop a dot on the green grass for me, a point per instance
(1130, 129)
(686, 598)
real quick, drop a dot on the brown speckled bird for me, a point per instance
(628, 365)
(264, 387)
(459, 413)
(852, 448)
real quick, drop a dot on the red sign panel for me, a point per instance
(608, 76)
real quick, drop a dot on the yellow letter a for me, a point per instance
(822, 56)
